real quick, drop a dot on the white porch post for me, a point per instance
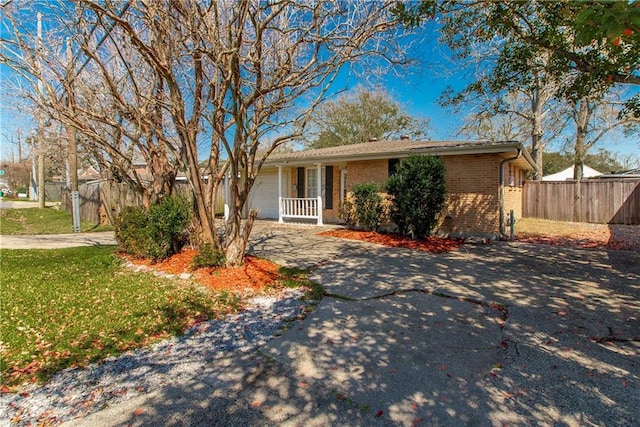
(226, 196)
(280, 195)
(319, 186)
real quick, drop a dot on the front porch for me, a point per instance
(301, 207)
(274, 192)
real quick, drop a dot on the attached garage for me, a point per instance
(264, 194)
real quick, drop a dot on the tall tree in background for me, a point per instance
(359, 116)
(222, 82)
(593, 118)
(599, 41)
(511, 78)
(567, 50)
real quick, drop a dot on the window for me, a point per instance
(311, 184)
(393, 166)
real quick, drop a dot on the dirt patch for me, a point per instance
(579, 234)
(430, 244)
(255, 275)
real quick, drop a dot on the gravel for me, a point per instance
(77, 392)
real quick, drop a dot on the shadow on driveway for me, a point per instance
(500, 334)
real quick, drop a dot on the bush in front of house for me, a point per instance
(364, 208)
(157, 232)
(418, 193)
(132, 231)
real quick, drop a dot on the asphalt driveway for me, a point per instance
(499, 334)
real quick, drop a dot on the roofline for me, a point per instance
(505, 147)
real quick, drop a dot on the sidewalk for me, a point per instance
(56, 241)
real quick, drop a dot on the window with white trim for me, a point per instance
(312, 183)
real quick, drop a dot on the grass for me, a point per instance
(50, 220)
(545, 227)
(68, 307)
(293, 277)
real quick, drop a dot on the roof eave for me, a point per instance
(436, 151)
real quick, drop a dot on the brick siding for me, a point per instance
(473, 191)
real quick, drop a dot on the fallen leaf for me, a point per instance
(379, 414)
(139, 411)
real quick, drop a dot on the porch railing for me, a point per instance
(307, 208)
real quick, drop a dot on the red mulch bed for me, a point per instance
(255, 274)
(430, 244)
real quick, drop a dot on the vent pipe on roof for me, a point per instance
(404, 137)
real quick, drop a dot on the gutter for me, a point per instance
(502, 163)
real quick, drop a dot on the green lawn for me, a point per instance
(72, 306)
(41, 221)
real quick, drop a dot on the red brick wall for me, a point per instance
(473, 191)
(367, 171)
(472, 194)
(513, 185)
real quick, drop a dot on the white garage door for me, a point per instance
(264, 195)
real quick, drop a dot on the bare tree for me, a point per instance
(217, 83)
(594, 117)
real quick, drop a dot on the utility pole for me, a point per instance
(73, 157)
(40, 126)
(19, 147)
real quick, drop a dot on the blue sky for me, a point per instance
(418, 90)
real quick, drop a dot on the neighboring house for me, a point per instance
(566, 174)
(628, 174)
(84, 175)
(88, 174)
(484, 181)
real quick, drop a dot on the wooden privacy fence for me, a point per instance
(607, 201)
(102, 201)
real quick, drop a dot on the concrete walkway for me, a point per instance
(57, 241)
(500, 334)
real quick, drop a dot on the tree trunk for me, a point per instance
(238, 239)
(537, 147)
(583, 118)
